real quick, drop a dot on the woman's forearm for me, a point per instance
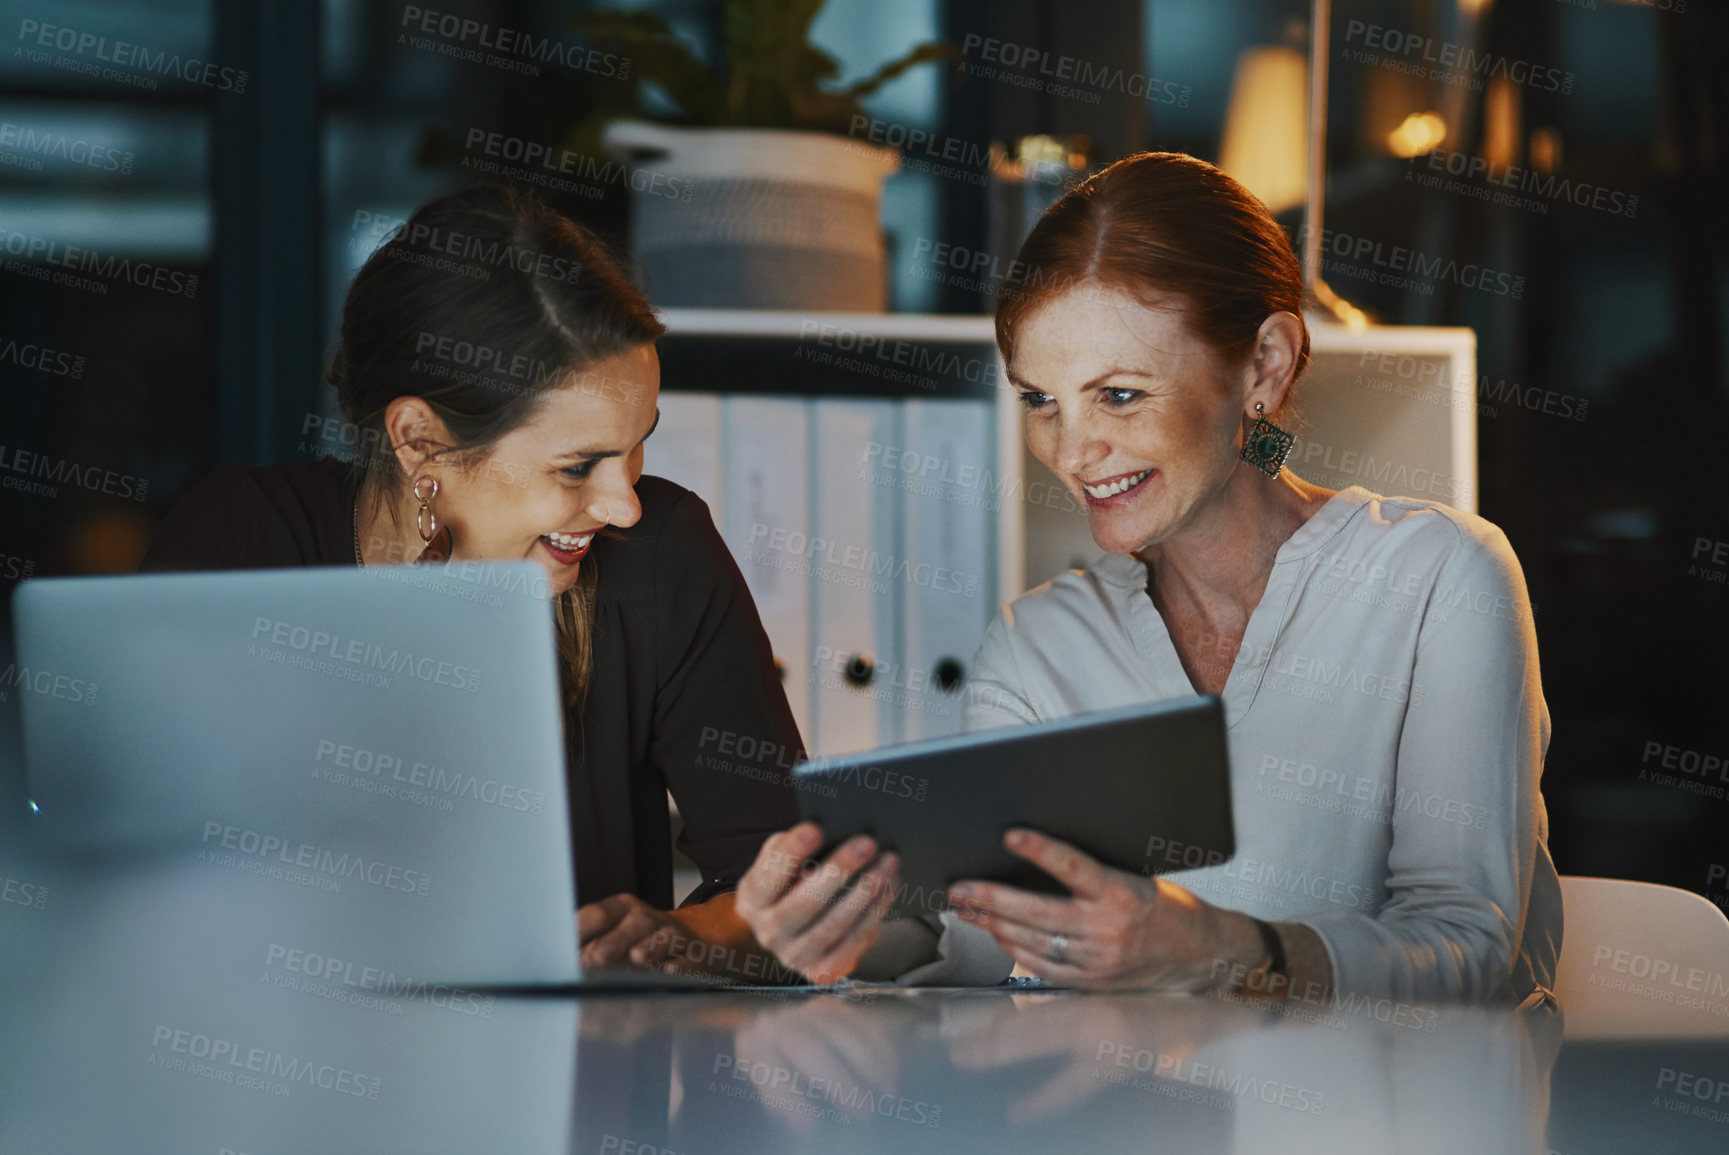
(1239, 951)
(717, 921)
(729, 946)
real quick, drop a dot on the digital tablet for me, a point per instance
(1145, 789)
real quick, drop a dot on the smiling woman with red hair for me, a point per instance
(1375, 655)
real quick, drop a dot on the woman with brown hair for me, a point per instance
(499, 371)
(1375, 656)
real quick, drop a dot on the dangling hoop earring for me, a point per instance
(425, 521)
(1267, 446)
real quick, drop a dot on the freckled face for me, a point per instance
(571, 468)
(1136, 415)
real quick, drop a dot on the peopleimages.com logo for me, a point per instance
(76, 260)
(344, 981)
(26, 147)
(257, 1068)
(21, 893)
(20, 465)
(1457, 64)
(37, 40)
(258, 852)
(463, 38)
(42, 359)
(313, 644)
(48, 683)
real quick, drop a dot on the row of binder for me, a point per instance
(866, 530)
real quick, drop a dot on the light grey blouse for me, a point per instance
(1386, 728)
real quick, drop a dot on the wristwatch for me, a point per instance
(1271, 979)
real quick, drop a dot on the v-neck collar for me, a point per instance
(1128, 575)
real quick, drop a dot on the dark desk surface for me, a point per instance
(127, 1027)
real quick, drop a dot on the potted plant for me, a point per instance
(751, 193)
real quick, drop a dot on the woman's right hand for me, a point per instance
(817, 918)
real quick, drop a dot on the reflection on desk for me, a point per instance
(158, 1016)
(989, 1071)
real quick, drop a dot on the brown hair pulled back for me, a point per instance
(488, 268)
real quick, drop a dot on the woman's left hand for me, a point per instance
(703, 938)
(623, 930)
(1115, 929)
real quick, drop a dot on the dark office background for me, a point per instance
(1618, 507)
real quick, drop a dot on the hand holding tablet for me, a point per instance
(1115, 928)
(817, 918)
(1145, 789)
(1089, 807)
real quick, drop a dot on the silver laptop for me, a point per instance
(372, 758)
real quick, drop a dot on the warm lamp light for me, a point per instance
(1546, 149)
(1417, 134)
(1266, 125)
(1501, 119)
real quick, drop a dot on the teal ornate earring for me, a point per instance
(1267, 445)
